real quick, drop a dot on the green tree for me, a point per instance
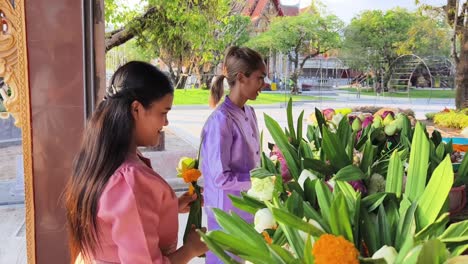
(456, 14)
(373, 39)
(301, 38)
(186, 35)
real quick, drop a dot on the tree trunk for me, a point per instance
(461, 79)
(120, 36)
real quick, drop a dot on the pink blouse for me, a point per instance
(137, 216)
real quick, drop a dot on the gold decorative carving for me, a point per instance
(14, 70)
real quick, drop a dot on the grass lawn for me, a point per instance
(200, 97)
(413, 93)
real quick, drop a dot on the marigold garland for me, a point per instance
(330, 249)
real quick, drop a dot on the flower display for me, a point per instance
(371, 199)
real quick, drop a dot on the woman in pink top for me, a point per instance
(118, 209)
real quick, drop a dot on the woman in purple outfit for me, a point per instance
(230, 138)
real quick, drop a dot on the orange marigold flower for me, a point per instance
(267, 237)
(191, 189)
(330, 249)
(191, 175)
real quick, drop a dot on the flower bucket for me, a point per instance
(457, 198)
(459, 143)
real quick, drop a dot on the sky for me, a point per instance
(347, 9)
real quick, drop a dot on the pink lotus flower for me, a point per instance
(328, 113)
(388, 113)
(283, 165)
(358, 186)
(367, 121)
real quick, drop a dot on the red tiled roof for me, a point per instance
(290, 10)
(249, 8)
(254, 8)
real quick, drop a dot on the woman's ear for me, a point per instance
(135, 107)
(240, 77)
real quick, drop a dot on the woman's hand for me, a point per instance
(194, 245)
(186, 200)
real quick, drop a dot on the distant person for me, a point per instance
(119, 210)
(230, 138)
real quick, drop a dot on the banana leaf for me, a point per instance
(418, 164)
(339, 218)
(395, 172)
(433, 198)
(216, 249)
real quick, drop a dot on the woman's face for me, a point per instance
(250, 87)
(150, 121)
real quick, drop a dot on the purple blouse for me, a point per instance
(230, 149)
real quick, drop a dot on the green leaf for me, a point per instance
(457, 232)
(260, 173)
(406, 225)
(309, 191)
(433, 251)
(350, 195)
(318, 166)
(449, 146)
(321, 123)
(240, 247)
(300, 121)
(292, 132)
(435, 194)
(324, 198)
(440, 151)
(418, 164)
(395, 172)
(311, 213)
(282, 141)
(235, 225)
(349, 173)
(339, 218)
(246, 203)
(344, 131)
(308, 257)
(462, 174)
(373, 201)
(457, 251)
(294, 204)
(290, 220)
(285, 255)
(383, 226)
(216, 249)
(368, 156)
(334, 151)
(430, 230)
(305, 150)
(368, 232)
(268, 164)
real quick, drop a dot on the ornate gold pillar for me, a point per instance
(15, 93)
(46, 49)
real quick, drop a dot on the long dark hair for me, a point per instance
(104, 147)
(236, 60)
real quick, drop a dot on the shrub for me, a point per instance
(452, 118)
